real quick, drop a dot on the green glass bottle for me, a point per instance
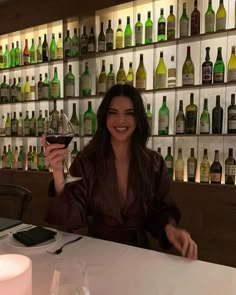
(13, 91)
(41, 162)
(139, 31)
(128, 33)
(70, 83)
(89, 121)
(67, 45)
(74, 120)
(101, 40)
(75, 44)
(8, 125)
(148, 29)
(46, 87)
(40, 124)
(1, 58)
(86, 82)
(74, 152)
(26, 124)
(110, 78)
(55, 85)
(83, 42)
(6, 58)
(163, 118)
(219, 68)
(191, 117)
(4, 91)
(149, 116)
(32, 125)
(184, 23)
(53, 49)
(171, 25)
(20, 125)
(205, 119)
(17, 55)
(9, 158)
(119, 36)
(12, 56)
(210, 18)
(169, 162)
(40, 87)
(109, 36)
(32, 53)
(39, 51)
(161, 31)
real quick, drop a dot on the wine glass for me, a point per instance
(60, 130)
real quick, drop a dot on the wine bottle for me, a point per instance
(20, 125)
(53, 48)
(180, 119)
(179, 166)
(86, 82)
(75, 44)
(67, 45)
(207, 67)
(46, 122)
(41, 163)
(21, 159)
(130, 75)
(59, 46)
(89, 121)
(209, 18)
(20, 90)
(141, 75)
(101, 40)
(29, 158)
(195, 20)
(6, 58)
(3, 157)
(231, 126)
(119, 35)
(149, 116)
(12, 56)
(205, 168)
(13, 91)
(172, 73)
(230, 168)
(17, 55)
(14, 125)
(216, 169)
(27, 89)
(70, 83)
(217, 117)
(221, 17)
(34, 160)
(128, 33)
(32, 53)
(74, 120)
(219, 68)
(171, 25)
(15, 158)
(110, 78)
(163, 118)
(26, 124)
(184, 23)
(102, 80)
(109, 36)
(91, 42)
(188, 70)
(45, 49)
(9, 158)
(74, 152)
(169, 162)
(83, 42)
(232, 66)
(121, 75)
(139, 31)
(1, 58)
(46, 88)
(191, 166)
(191, 116)
(32, 125)
(4, 91)
(39, 51)
(26, 55)
(32, 89)
(8, 125)
(148, 29)
(161, 73)
(161, 30)
(205, 119)
(55, 85)
(40, 124)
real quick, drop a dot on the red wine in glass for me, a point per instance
(61, 139)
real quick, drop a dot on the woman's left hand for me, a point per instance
(182, 241)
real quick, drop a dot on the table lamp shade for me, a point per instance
(15, 275)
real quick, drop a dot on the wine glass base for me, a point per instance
(70, 179)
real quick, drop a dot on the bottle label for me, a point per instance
(191, 120)
(67, 46)
(102, 88)
(26, 95)
(20, 130)
(91, 47)
(195, 25)
(230, 170)
(69, 90)
(169, 164)
(19, 164)
(148, 33)
(219, 76)
(60, 53)
(191, 169)
(13, 92)
(179, 127)
(172, 77)
(8, 131)
(53, 54)
(86, 83)
(39, 56)
(161, 28)
(101, 45)
(140, 84)
(184, 28)
(188, 79)
(109, 38)
(87, 126)
(40, 92)
(231, 75)
(138, 35)
(119, 42)
(76, 128)
(26, 129)
(220, 23)
(128, 41)
(40, 127)
(32, 92)
(34, 165)
(75, 47)
(204, 172)
(161, 81)
(32, 56)
(209, 23)
(45, 92)
(171, 30)
(17, 58)
(179, 174)
(54, 90)
(163, 123)
(206, 73)
(204, 127)
(215, 177)
(4, 92)
(110, 82)
(232, 119)
(26, 59)
(14, 127)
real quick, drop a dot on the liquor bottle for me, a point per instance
(14, 125)
(102, 80)
(195, 20)
(2, 126)
(83, 42)
(34, 160)
(29, 158)
(171, 25)
(26, 124)
(230, 168)
(89, 121)
(188, 70)
(74, 120)
(180, 119)
(101, 40)
(41, 163)
(219, 68)
(20, 125)
(45, 49)
(91, 42)
(110, 78)
(141, 75)
(70, 83)
(40, 87)
(20, 90)
(121, 75)
(169, 162)
(232, 66)
(12, 56)
(191, 166)
(161, 73)
(205, 119)
(139, 31)
(9, 158)
(207, 67)
(46, 88)
(40, 124)
(184, 23)
(217, 117)
(210, 18)
(74, 152)
(163, 118)
(191, 116)
(26, 54)
(13, 91)
(27, 89)
(8, 125)
(53, 49)
(4, 90)
(161, 30)
(1, 58)
(32, 89)
(86, 82)
(74, 44)
(216, 169)
(149, 116)
(205, 168)
(21, 159)
(148, 29)
(32, 125)
(179, 166)
(231, 123)
(17, 55)
(55, 85)
(128, 33)
(67, 45)
(39, 51)
(109, 36)
(119, 35)
(4, 157)
(6, 58)
(32, 53)
(130, 75)
(221, 17)
(172, 73)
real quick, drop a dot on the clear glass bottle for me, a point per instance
(59, 46)
(141, 75)
(130, 75)
(221, 17)
(161, 73)
(102, 79)
(172, 73)
(121, 75)
(179, 166)
(232, 66)
(119, 35)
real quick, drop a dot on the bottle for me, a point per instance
(74, 120)
(110, 78)
(184, 23)
(128, 33)
(221, 17)
(171, 25)
(70, 83)
(101, 40)
(53, 48)
(4, 90)
(205, 169)
(40, 87)
(1, 58)
(121, 75)
(39, 51)
(32, 53)
(217, 117)
(141, 75)
(119, 35)
(40, 124)
(91, 42)
(161, 73)
(109, 36)
(46, 122)
(191, 166)
(159, 150)
(12, 56)
(179, 167)
(210, 18)
(13, 91)
(32, 125)
(55, 85)
(163, 119)
(8, 125)
(74, 152)
(26, 124)
(4, 157)
(9, 158)
(2, 126)
(149, 116)
(20, 90)
(46, 88)
(216, 169)
(34, 159)
(232, 66)
(130, 75)
(191, 116)
(169, 162)
(86, 82)
(139, 31)
(17, 55)
(219, 68)
(67, 45)
(161, 30)
(29, 158)
(74, 44)
(230, 165)
(26, 54)
(180, 119)
(172, 73)
(148, 29)
(188, 70)
(207, 67)
(20, 125)
(14, 125)
(15, 158)
(231, 123)
(41, 163)
(21, 159)
(6, 58)
(89, 121)
(205, 119)
(195, 20)
(102, 80)
(83, 42)
(32, 89)
(45, 49)
(27, 89)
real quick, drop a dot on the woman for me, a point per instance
(125, 186)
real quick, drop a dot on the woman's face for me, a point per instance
(121, 119)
